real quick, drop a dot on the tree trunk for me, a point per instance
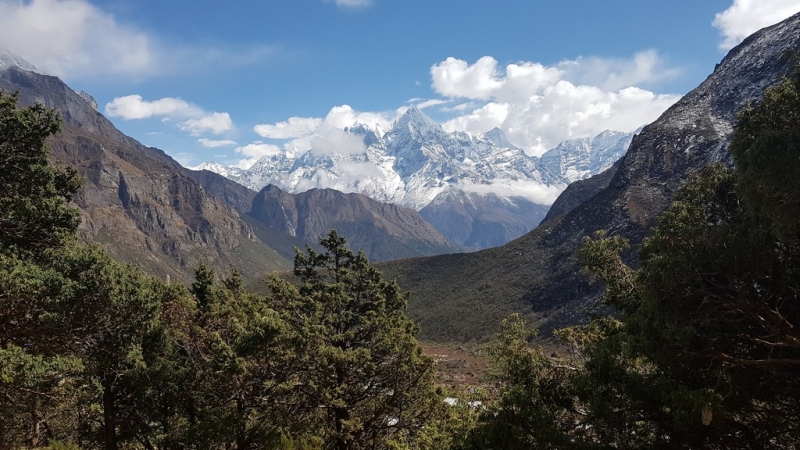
(109, 415)
(36, 430)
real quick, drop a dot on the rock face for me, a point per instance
(581, 191)
(384, 231)
(539, 271)
(494, 186)
(137, 202)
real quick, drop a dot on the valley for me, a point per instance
(511, 274)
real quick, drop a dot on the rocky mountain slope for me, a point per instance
(495, 190)
(464, 296)
(384, 231)
(137, 202)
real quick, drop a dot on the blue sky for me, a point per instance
(236, 81)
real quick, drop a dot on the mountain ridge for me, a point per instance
(137, 202)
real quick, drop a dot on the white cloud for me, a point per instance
(193, 118)
(613, 74)
(461, 107)
(325, 139)
(133, 107)
(330, 140)
(257, 150)
(456, 78)
(68, 36)
(74, 38)
(353, 3)
(539, 106)
(345, 116)
(428, 103)
(293, 128)
(216, 123)
(210, 143)
(745, 17)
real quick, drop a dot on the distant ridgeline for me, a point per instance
(470, 187)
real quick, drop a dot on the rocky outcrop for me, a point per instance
(581, 191)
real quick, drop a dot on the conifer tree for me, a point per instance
(34, 196)
(362, 373)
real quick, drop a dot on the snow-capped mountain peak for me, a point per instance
(225, 171)
(415, 120)
(9, 59)
(577, 159)
(496, 137)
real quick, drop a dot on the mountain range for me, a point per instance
(478, 189)
(145, 208)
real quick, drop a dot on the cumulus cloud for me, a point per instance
(345, 116)
(293, 128)
(612, 74)
(255, 151)
(193, 118)
(745, 17)
(539, 106)
(216, 123)
(67, 36)
(325, 136)
(210, 143)
(258, 149)
(456, 78)
(76, 38)
(131, 107)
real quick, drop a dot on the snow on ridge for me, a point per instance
(415, 160)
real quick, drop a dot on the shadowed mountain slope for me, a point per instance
(384, 231)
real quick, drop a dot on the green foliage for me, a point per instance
(767, 147)
(707, 352)
(362, 373)
(535, 407)
(203, 284)
(34, 197)
(601, 256)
